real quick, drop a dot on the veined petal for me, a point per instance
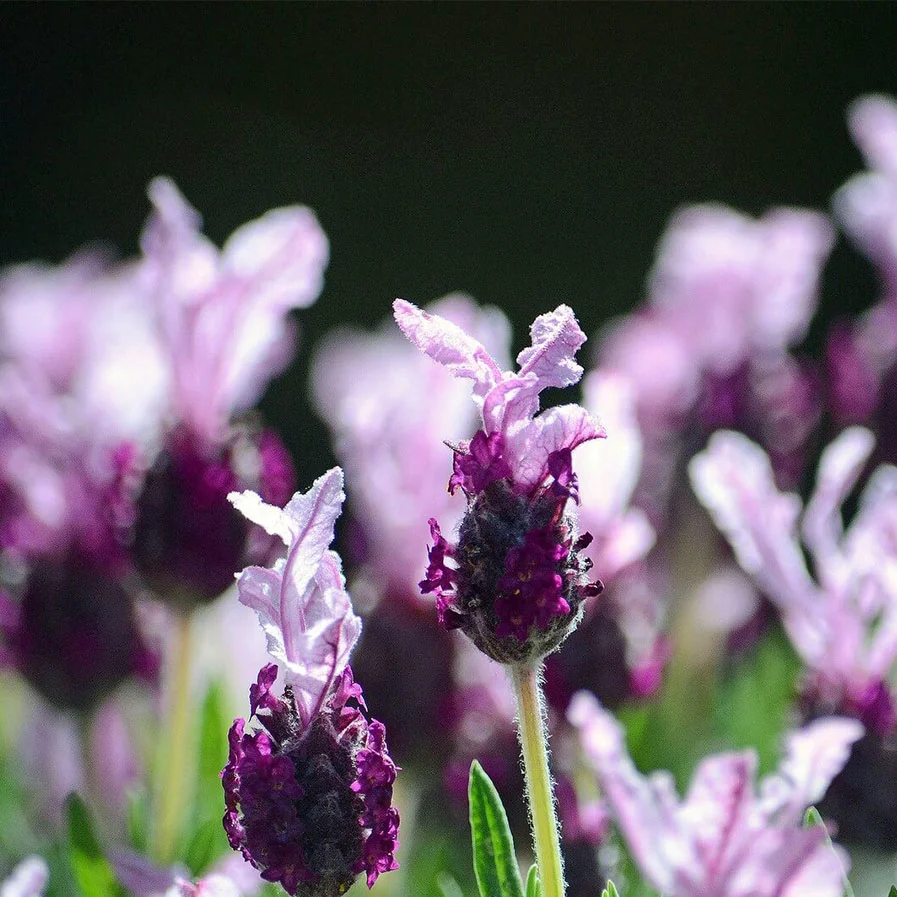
(302, 602)
(840, 466)
(733, 479)
(562, 427)
(449, 345)
(645, 808)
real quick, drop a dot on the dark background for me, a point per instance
(528, 154)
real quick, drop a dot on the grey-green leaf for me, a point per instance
(90, 867)
(494, 862)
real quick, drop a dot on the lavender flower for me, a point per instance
(726, 838)
(519, 581)
(728, 297)
(223, 325)
(309, 794)
(72, 416)
(383, 401)
(862, 354)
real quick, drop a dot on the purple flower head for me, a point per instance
(726, 837)
(223, 315)
(309, 795)
(867, 204)
(187, 538)
(73, 633)
(843, 623)
(517, 581)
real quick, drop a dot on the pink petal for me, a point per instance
(814, 755)
(556, 338)
(839, 468)
(28, 879)
(645, 808)
(733, 479)
(873, 123)
(302, 602)
(565, 426)
(449, 345)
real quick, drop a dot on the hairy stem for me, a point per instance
(172, 775)
(540, 798)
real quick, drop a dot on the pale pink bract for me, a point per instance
(728, 837)
(302, 602)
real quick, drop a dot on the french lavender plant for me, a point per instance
(309, 793)
(516, 580)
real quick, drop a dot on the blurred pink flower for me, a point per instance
(608, 472)
(728, 837)
(223, 315)
(843, 623)
(82, 385)
(867, 204)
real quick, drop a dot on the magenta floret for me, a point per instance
(310, 806)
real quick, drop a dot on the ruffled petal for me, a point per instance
(556, 337)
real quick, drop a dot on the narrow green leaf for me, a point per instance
(204, 847)
(610, 891)
(448, 885)
(212, 754)
(92, 871)
(494, 863)
(533, 885)
(893, 891)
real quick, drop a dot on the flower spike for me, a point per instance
(309, 795)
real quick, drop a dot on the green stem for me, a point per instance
(172, 773)
(534, 742)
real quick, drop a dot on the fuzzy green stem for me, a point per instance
(172, 774)
(534, 743)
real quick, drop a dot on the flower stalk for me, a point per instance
(533, 736)
(173, 785)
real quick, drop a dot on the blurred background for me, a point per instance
(527, 154)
